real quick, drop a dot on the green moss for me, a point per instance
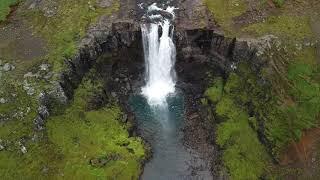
(287, 122)
(278, 3)
(5, 8)
(64, 30)
(18, 111)
(77, 144)
(82, 136)
(214, 93)
(223, 11)
(285, 26)
(243, 154)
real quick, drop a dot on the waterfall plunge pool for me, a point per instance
(161, 127)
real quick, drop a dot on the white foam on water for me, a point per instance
(160, 56)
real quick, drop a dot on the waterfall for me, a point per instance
(160, 56)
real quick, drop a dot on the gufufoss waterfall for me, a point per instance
(159, 54)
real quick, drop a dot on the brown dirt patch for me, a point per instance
(304, 154)
(18, 44)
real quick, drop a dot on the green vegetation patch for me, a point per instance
(243, 155)
(95, 144)
(278, 3)
(65, 29)
(248, 105)
(17, 111)
(223, 11)
(214, 93)
(77, 144)
(5, 8)
(284, 26)
(288, 121)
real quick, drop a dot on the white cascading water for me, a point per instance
(160, 55)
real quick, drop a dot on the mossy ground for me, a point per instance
(75, 136)
(65, 29)
(237, 133)
(5, 8)
(282, 110)
(288, 19)
(82, 136)
(72, 143)
(248, 107)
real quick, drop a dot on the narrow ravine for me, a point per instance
(160, 108)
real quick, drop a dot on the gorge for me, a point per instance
(119, 89)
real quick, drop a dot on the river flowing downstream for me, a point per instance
(160, 108)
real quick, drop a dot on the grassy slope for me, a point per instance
(77, 136)
(64, 30)
(73, 139)
(82, 135)
(293, 103)
(5, 8)
(244, 156)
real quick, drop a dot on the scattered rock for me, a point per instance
(124, 118)
(102, 161)
(128, 86)
(23, 149)
(43, 111)
(8, 67)
(1, 147)
(45, 170)
(113, 94)
(262, 44)
(28, 110)
(48, 76)
(104, 3)
(39, 123)
(28, 88)
(99, 162)
(44, 67)
(3, 101)
(31, 75)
